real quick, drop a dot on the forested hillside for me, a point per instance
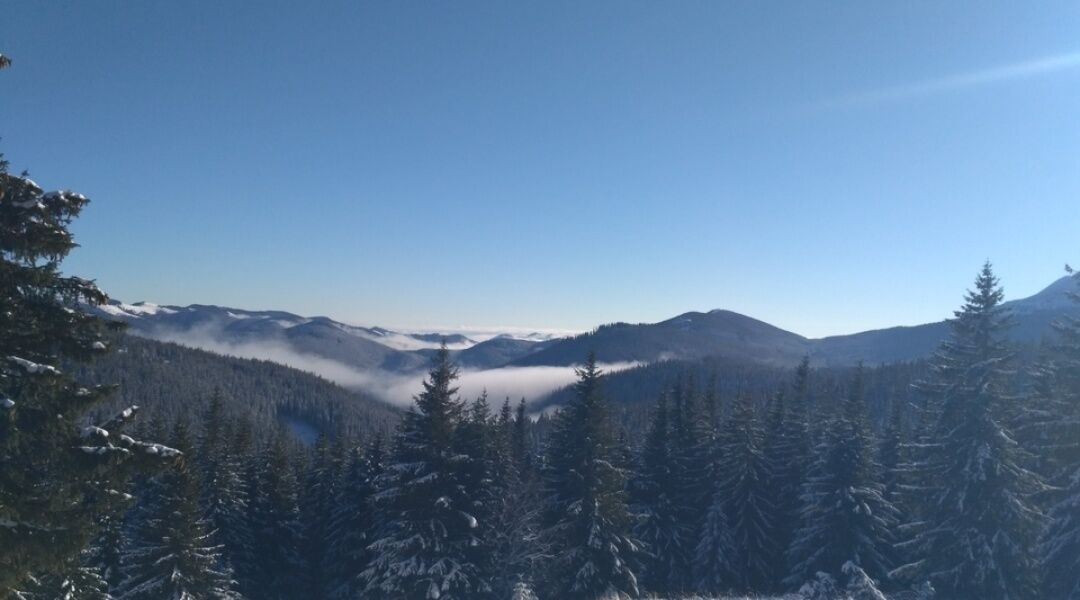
(169, 381)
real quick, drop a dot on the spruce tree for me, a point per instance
(714, 556)
(786, 449)
(743, 492)
(691, 482)
(59, 472)
(352, 522)
(275, 525)
(427, 530)
(845, 516)
(73, 581)
(660, 527)
(586, 517)
(316, 504)
(516, 544)
(519, 441)
(231, 512)
(172, 555)
(476, 440)
(975, 537)
(892, 458)
(1047, 423)
(1059, 549)
(106, 553)
(802, 398)
(223, 499)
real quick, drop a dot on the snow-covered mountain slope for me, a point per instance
(271, 333)
(324, 343)
(721, 333)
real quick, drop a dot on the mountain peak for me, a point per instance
(1056, 296)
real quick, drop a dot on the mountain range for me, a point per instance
(689, 336)
(722, 333)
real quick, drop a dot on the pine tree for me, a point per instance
(317, 498)
(743, 492)
(223, 500)
(860, 585)
(519, 441)
(1059, 549)
(172, 555)
(106, 553)
(845, 516)
(660, 527)
(58, 472)
(232, 513)
(586, 517)
(72, 581)
(1048, 422)
(516, 544)
(100, 566)
(976, 535)
(787, 452)
(714, 557)
(352, 523)
(476, 440)
(892, 458)
(691, 486)
(275, 525)
(802, 398)
(426, 527)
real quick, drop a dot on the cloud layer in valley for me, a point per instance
(513, 382)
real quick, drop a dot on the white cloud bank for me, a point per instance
(397, 389)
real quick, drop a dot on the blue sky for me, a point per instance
(826, 167)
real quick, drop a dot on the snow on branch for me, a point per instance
(33, 367)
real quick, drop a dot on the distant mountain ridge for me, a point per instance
(689, 336)
(229, 330)
(721, 333)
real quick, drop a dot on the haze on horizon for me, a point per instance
(826, 169)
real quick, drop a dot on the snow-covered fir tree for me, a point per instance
(860, 586)
(476, 439)
(1059, 549)
(714, 560)
(275, 525)
(172, 555)
(516, 544)
(106, 552)
(520, 447)
(234, 520)
(316, 503)
(1047, 422)
(74, 581)
(787, 450)
(743, 491)
(691, 490)
(60, 471)
(661, 523)
(586, 518)
(892, 457)
(976, 532)
(223, 500)
(427, 530)
(352, 521)
(845, 516)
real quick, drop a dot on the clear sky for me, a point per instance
(828, 167)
